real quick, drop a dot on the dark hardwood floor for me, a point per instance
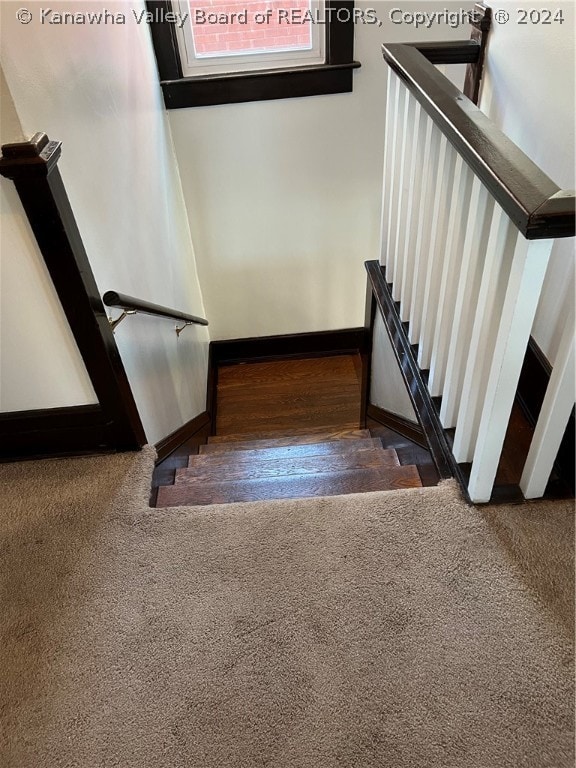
(273, 397)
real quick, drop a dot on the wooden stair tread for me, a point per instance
(216, 451)
(290, 487)
(339, 368)
(279, 442)
(351, 432)
(227, 467)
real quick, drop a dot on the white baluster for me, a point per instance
(455, 236)
(413, 206)
(440, 214)
(393, 178)
(475, 247)
(495, 273)
(523, 288)
(554, 414)
(387, 180)
(406, 158)
(422, 248)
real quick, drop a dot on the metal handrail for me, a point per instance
(534, 203)
(131, 306)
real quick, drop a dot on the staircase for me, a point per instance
(314, 462)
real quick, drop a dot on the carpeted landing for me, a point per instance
(394, 630)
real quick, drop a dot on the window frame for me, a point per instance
(195, 65)
(332, 76)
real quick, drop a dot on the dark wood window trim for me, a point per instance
(334, 76)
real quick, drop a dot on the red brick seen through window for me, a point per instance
(257, 25)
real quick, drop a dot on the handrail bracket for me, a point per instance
(179, 330)
(118, 320)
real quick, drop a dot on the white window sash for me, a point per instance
(193, 64)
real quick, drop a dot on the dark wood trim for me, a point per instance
(212, 388)
(199, 427)
(481, 23)
(37, 434)
(265, 85)
(340, 32)
(131, 304)
(534, 378)
(534, 203)
(450, 51)
(33, 168)
(315, 344)
(164, 40)
(334, 76)
(425, 410)
(399, 424)
(366, 354)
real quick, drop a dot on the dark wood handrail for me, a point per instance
(130, 304)
(534, 203)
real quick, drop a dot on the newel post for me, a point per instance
(33, 167)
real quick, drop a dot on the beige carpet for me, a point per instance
(389, 630)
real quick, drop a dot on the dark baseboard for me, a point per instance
(298, 345)
(52, 432)
(398, 423)
(532, 386)
(197, 429)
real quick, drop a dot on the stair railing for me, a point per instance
(131, 306)
(468, 224)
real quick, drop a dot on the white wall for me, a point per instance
(96, 89)
(40, 365)
(529, 92)
(284, 196)
(388, 389)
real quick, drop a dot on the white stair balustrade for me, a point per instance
(468, 224)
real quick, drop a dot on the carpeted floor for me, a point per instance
(391, 630)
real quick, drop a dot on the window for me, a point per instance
(226, 51)
(239, 35)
